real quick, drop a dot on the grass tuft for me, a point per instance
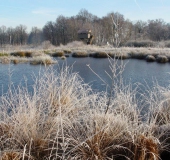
(162, 59)
(58, 54)
(22, 54)
(150, 58)
(4, 54)
(80, 54)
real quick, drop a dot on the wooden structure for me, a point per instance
(85, 35)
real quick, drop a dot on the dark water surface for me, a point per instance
(135, 71)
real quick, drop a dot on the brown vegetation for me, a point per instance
(65, 119)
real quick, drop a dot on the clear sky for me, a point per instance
(39, 12)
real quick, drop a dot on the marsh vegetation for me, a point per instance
(39, 55)
(63, 118)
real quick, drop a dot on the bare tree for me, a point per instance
(3, 39)
(158, 30)
(35, 36)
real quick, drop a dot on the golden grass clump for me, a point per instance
(11, 156)
(146, 148)
(58, 54)
(22, 54)
(98, 136)
(37, 120)
(44, 60)
(80, 54)
(100, 55)
(67, 51)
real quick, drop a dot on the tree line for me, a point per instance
(107, 29)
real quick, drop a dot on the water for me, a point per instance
(134, 71)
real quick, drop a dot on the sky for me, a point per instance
(37, 13)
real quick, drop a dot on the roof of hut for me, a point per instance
(84, 31)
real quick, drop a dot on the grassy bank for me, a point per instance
(78, 49)
(64, 119)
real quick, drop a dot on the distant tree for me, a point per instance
(62, 28)
(36, 36)
(21, 34)
(140, 30)
(49, 32)
(116, 29)
(3, 36)
(157, 30)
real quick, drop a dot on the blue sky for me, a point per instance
(39, 12)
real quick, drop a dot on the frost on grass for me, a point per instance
(63, 118)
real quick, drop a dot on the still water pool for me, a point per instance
(135, 71)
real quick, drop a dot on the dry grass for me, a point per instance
(64, 119)
(162, 59)
(58, 54)
(150, 58)
(78, 49)
(34, 124)
(80, 54)
(22, 54)
(45, 60)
